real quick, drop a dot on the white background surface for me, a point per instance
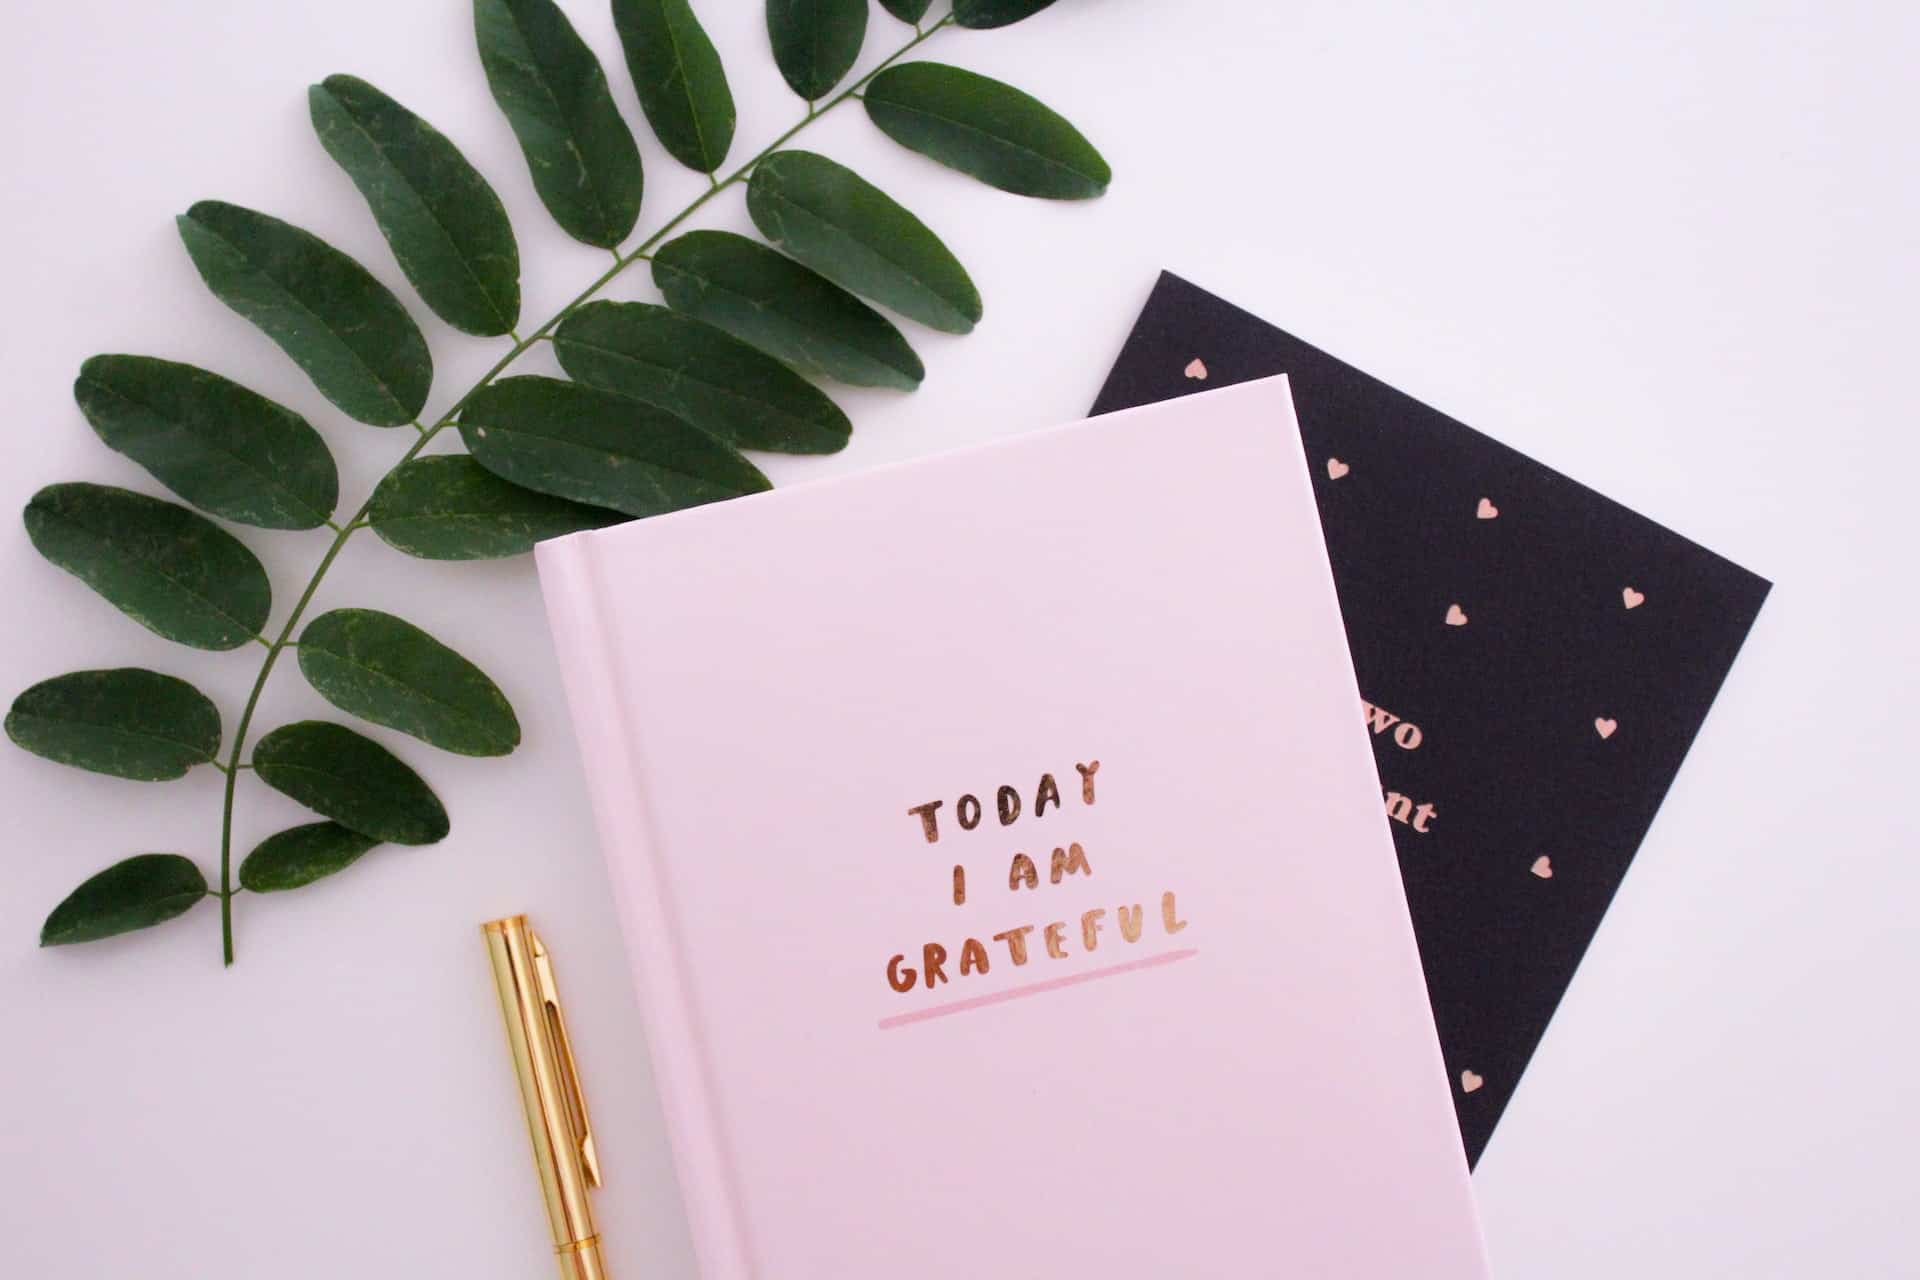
(1667, 249)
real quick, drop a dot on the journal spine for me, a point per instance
(599, 700)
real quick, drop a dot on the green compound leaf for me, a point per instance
(176, 573)
(985, 128)
(980, 14)
(597, 447)
(677, 73)
(325, 310)
(786, 310)
(692, 370)
(836, 222)
(351, 779)
(445, 225)
(220, 446)
(555, 96)
(134, 894)
(449, 507)
(816, 42)
(124, 721)
(385, 669)
(298, 856)
(907, 10)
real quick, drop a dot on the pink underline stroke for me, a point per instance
(1034, 989)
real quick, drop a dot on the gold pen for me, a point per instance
(550, 1087)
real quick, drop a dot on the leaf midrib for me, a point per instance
(245, 628)
(138, 909)
(422, 516)
(386, 789)
(199, 755)
(539, 68)
(817, 32)
(433, 215)
(777, 191)
(1008, 143)
(772, 306)
(680, 374)
(457, 711)
(686, 86)
(649, 469)
(293, 300)
(348, 847)
(270, 477)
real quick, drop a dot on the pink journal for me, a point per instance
(1003, 866)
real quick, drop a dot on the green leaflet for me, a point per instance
(677, 73)
(220, 446)
(597, 447)
(133, 894)
(907, 10)
(176, 573)
(833, 220)
(555, 96)
(449, 507)
(816, 42)
(694, 371)
(985, 128)
(786, 310)
(385, 669)
(325, 310)
(447, 228)
(298, 856)
(980, 14)
(124, 721)
(351, 779)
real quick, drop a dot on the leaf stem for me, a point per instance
(358, 521)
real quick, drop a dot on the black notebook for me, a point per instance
(1535, 661)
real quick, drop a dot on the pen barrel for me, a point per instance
(555, 1113)
(582, 1262)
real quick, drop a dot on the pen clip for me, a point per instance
(576, 1102)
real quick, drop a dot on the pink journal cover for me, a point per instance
(816, 718)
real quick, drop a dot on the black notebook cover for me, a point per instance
(1535, 660)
